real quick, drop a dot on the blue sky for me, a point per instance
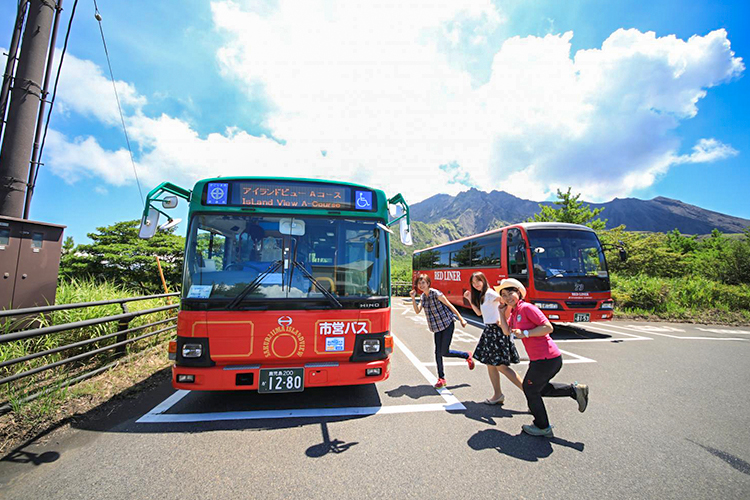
(615, 99)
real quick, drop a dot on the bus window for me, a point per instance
(487, 251)
(462, 257)
(517, 267)
(454, 250)
(444, 259)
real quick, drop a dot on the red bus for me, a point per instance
(561, 265)
(286, 283)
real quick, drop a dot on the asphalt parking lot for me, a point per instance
(668, 418)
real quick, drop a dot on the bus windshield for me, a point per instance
(568, 260)
(253, 258)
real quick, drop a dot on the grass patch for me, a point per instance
(692, 299)
(69, 403)
(52, 383)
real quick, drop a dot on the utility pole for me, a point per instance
(26, 97)
(10, 65)
(29, 250)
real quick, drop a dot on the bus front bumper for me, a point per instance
(246, 377)
(557, 316)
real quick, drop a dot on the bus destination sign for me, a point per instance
(288, 194)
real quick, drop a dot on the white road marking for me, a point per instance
(523, 362)
(650, 331)
(163, 406)
(462, 336)
(158, 415)
(577, 358)
(607, 329)
(723, 330)
(298, 413)
(451, 402)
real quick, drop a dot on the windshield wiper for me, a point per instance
(254, 284)
(317, 284)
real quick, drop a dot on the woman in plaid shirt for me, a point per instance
(440, 317)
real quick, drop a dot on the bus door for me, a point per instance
(516, 256)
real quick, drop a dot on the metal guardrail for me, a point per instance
(121, 336)
(400, 288)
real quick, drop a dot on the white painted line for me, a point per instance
(607, 329)
(163, 406)
(158, 415)
(449, 398)
(723, 330)
(650, 331)
(523, 362)
(298, 413)
(577, 358)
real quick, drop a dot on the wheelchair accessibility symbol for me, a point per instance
(363, 200)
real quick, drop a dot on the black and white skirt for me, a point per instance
(495, 348)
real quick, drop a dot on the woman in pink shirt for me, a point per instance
(545, 361)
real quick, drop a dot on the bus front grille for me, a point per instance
(588, 304)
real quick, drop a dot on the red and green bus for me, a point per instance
(286, 283)
(561, 265)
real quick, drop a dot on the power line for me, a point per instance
(98, 17)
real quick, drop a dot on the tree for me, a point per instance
(572, 211)
(68, 245)
(118, 255)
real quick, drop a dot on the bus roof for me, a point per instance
(525, 225)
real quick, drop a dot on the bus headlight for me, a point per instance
(192, 351)
(547, 305)
(371, 345)
(608, 305)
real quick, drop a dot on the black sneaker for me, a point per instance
(582, 395)
(533, 430)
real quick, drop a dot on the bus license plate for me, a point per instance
(282, 380)
(581, 317)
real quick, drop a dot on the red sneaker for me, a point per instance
(440, 383)
(470, 360)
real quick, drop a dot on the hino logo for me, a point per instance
(369, 305)
(285, 321)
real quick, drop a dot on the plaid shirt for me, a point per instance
(439, 317)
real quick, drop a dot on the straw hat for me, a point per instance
(512, 283)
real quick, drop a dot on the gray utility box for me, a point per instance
(29, 262)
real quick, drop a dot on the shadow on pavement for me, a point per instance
(411, 391)
(19, 456)
(327, 446)
(735, 462)
(571, 332)
(521, 446)
(488, 413)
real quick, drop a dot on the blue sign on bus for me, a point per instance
(363, 200)
(217, 193)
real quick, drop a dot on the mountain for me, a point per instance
(475, 211)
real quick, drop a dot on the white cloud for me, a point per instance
(93, 97)
(374, 88)
(707, 151)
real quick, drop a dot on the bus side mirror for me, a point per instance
(623, 255)
(405, 232)
(149, 224)
(169, 202)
